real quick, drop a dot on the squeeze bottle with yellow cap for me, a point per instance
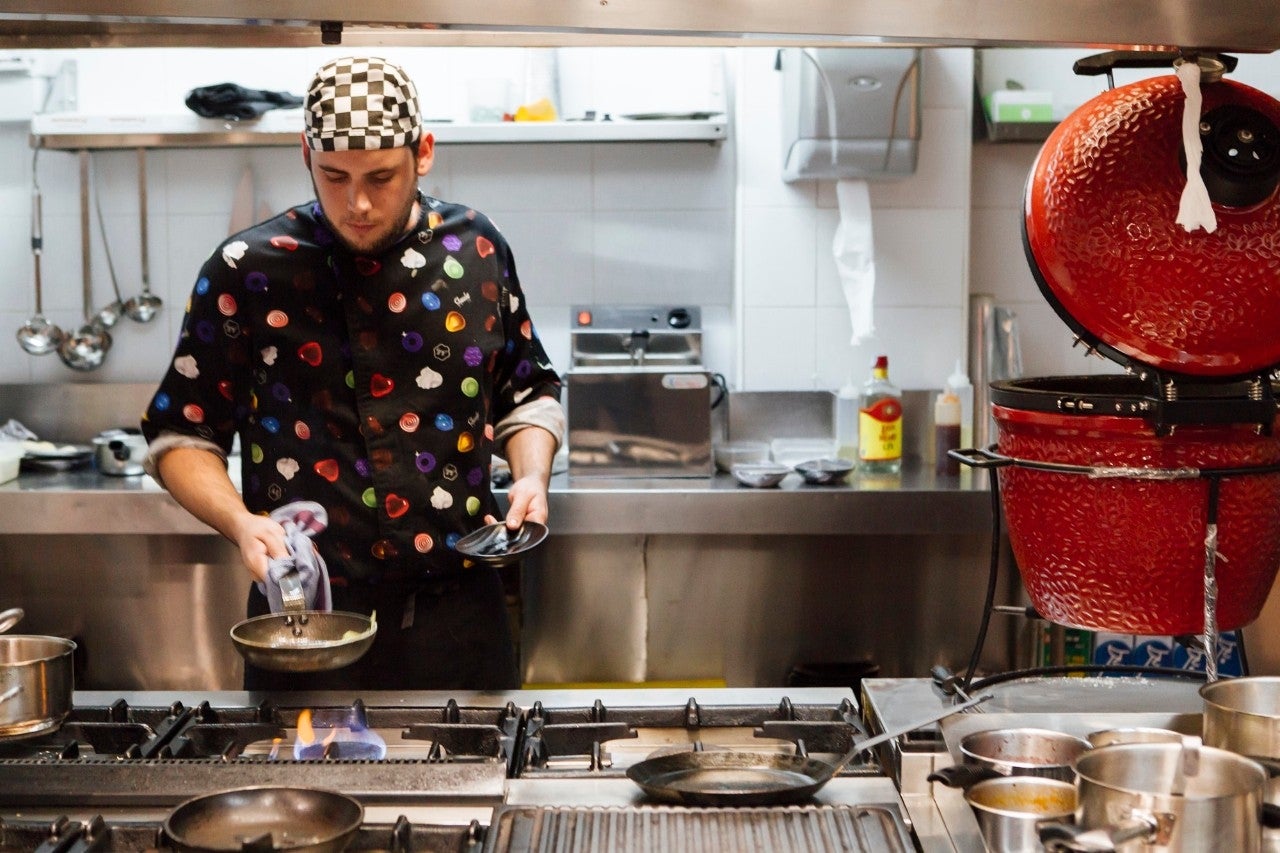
(946, 433)
(958, 383)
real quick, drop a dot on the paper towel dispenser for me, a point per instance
(850, 112)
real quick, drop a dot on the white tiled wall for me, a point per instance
(795, 322)
(712, 225)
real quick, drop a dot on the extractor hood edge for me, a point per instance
(1218, 25)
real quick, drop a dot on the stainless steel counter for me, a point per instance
(647, 558)
(914, 502)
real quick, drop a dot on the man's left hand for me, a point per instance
(528, 497)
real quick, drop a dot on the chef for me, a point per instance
(372, 349)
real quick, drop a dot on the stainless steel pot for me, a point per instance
(1008, 809)
(119, 452)
(1134, 734)
(36, 681)
(1164, 797)
(1013, 752)
(1243, 715)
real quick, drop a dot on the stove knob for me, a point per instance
(678, 318)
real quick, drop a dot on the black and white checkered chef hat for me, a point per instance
(361, 103)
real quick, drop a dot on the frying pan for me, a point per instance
(304, 640)
(753, 779)
(265, 819)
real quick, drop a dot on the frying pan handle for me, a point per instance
(1105, 63)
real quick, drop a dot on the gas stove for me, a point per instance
(433, 771)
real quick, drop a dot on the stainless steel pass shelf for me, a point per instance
(913, 503)
(75, 131)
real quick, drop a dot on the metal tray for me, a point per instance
(517, 829)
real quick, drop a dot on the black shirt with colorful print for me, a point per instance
(370, 385)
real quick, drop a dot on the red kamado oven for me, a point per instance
(1150, 502)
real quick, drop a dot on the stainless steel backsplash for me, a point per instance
(74, 412)
(766, 415)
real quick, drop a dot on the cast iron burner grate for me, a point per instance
(604, 741)
(96, 834)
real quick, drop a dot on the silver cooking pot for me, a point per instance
(1163, 797)
(36, 681)
(1009, 809)
(1243, 715)
(119, 452)
(1013, 752)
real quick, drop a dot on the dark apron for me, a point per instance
(442, 634)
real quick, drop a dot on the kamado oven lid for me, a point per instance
(1101, 235)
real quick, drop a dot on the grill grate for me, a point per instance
(800, 829)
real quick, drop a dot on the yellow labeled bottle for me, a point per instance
(880, 423)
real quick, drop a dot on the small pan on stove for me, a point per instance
(723, 778)
(299, 820)
(304, 640)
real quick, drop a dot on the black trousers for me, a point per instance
(459, 638)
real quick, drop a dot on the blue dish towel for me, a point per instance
(301, 520)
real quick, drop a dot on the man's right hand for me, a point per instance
(260, 540)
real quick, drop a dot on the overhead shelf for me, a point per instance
(74, 131)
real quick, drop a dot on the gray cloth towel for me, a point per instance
(301, 520)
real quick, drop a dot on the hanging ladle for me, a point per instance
(86, 347)
(38, 335)
(143, 307)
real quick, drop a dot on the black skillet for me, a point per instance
(299, 820)
(723, 778)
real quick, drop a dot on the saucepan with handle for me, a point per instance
(298, 640)
(724, 778)
(36, 680)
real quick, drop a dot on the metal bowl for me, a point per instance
(824, 472)
(760, 475)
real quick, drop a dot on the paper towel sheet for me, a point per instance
(855, 256)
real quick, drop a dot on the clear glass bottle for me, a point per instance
(880, 423)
